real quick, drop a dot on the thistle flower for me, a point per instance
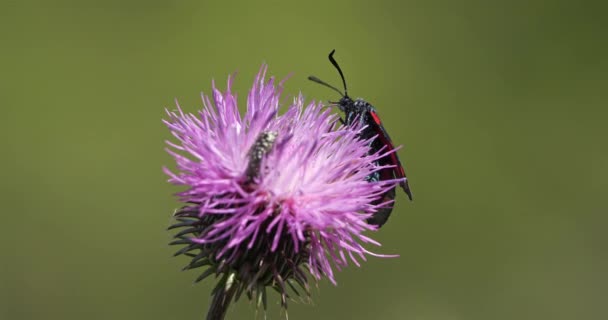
(271, 199)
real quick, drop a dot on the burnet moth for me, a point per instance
(362, 111)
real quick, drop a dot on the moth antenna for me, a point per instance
(321, 82)
(333, 61)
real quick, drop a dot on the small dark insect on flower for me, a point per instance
(271, 199)
(362, 114)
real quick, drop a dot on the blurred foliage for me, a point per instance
(500, 105)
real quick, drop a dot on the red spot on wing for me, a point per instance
(394, 158)
(376, 118)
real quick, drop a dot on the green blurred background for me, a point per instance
(501, 106)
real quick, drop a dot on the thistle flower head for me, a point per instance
(270, 198)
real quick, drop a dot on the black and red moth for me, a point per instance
(362, 111)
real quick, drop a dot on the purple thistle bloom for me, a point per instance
(270, 196)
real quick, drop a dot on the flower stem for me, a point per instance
(222, 296)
